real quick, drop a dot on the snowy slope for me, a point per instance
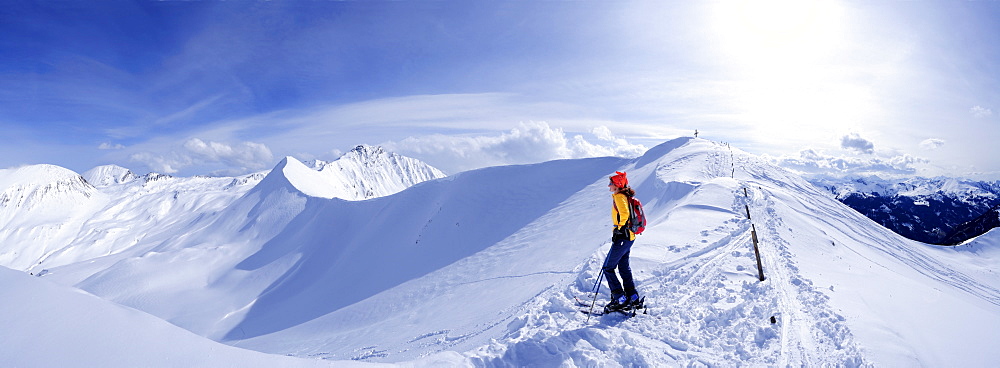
(50, 325)
(131, 216)
(491, 263)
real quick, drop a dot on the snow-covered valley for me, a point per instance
(379, 258)
(931, 210)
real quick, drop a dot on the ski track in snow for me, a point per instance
(823, 337)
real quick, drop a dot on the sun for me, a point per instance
(773, 31)
(782, 61)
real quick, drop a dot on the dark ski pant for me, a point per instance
(618, 258)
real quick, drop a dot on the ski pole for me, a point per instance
(597, 283)
(592, 302)
(597, 286)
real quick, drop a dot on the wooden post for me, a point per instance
(753, 235)
(756, 252)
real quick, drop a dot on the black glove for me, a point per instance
(619, 231)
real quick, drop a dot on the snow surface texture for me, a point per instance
(491, 262)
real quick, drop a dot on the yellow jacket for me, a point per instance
(620, 212)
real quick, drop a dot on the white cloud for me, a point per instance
(527, 143)
(603, 133)
(110, 146)
(244, 154)
(619, 146)
(232, 158)
(158, 163)
(980, 112)
(811, 155)
(931, 144)
(854, 141)
(816, 162)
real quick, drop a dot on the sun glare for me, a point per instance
(778, 29)
(782, 56)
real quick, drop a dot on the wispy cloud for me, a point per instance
(143, 128)
(234, 158)
(931, 144)
(110, 146)
(980, 112)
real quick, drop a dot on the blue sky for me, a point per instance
(192, 88)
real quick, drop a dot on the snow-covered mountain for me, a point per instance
(368, 172)
(51, 216)
(485, 268)
(932, 210)
(106, 175)
(39, 206)
(975, 227)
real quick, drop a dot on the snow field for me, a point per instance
(50, 325)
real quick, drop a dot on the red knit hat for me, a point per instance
(619, 179)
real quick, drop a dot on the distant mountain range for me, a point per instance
(937, 210)
(52, 216)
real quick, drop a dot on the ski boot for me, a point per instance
(636, 302)
(618, 303)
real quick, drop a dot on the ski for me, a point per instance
(630, 311)
(581, 302)
(625, 312)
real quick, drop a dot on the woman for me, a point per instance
(621, 243)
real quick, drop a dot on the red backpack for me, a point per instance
(636, 217)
